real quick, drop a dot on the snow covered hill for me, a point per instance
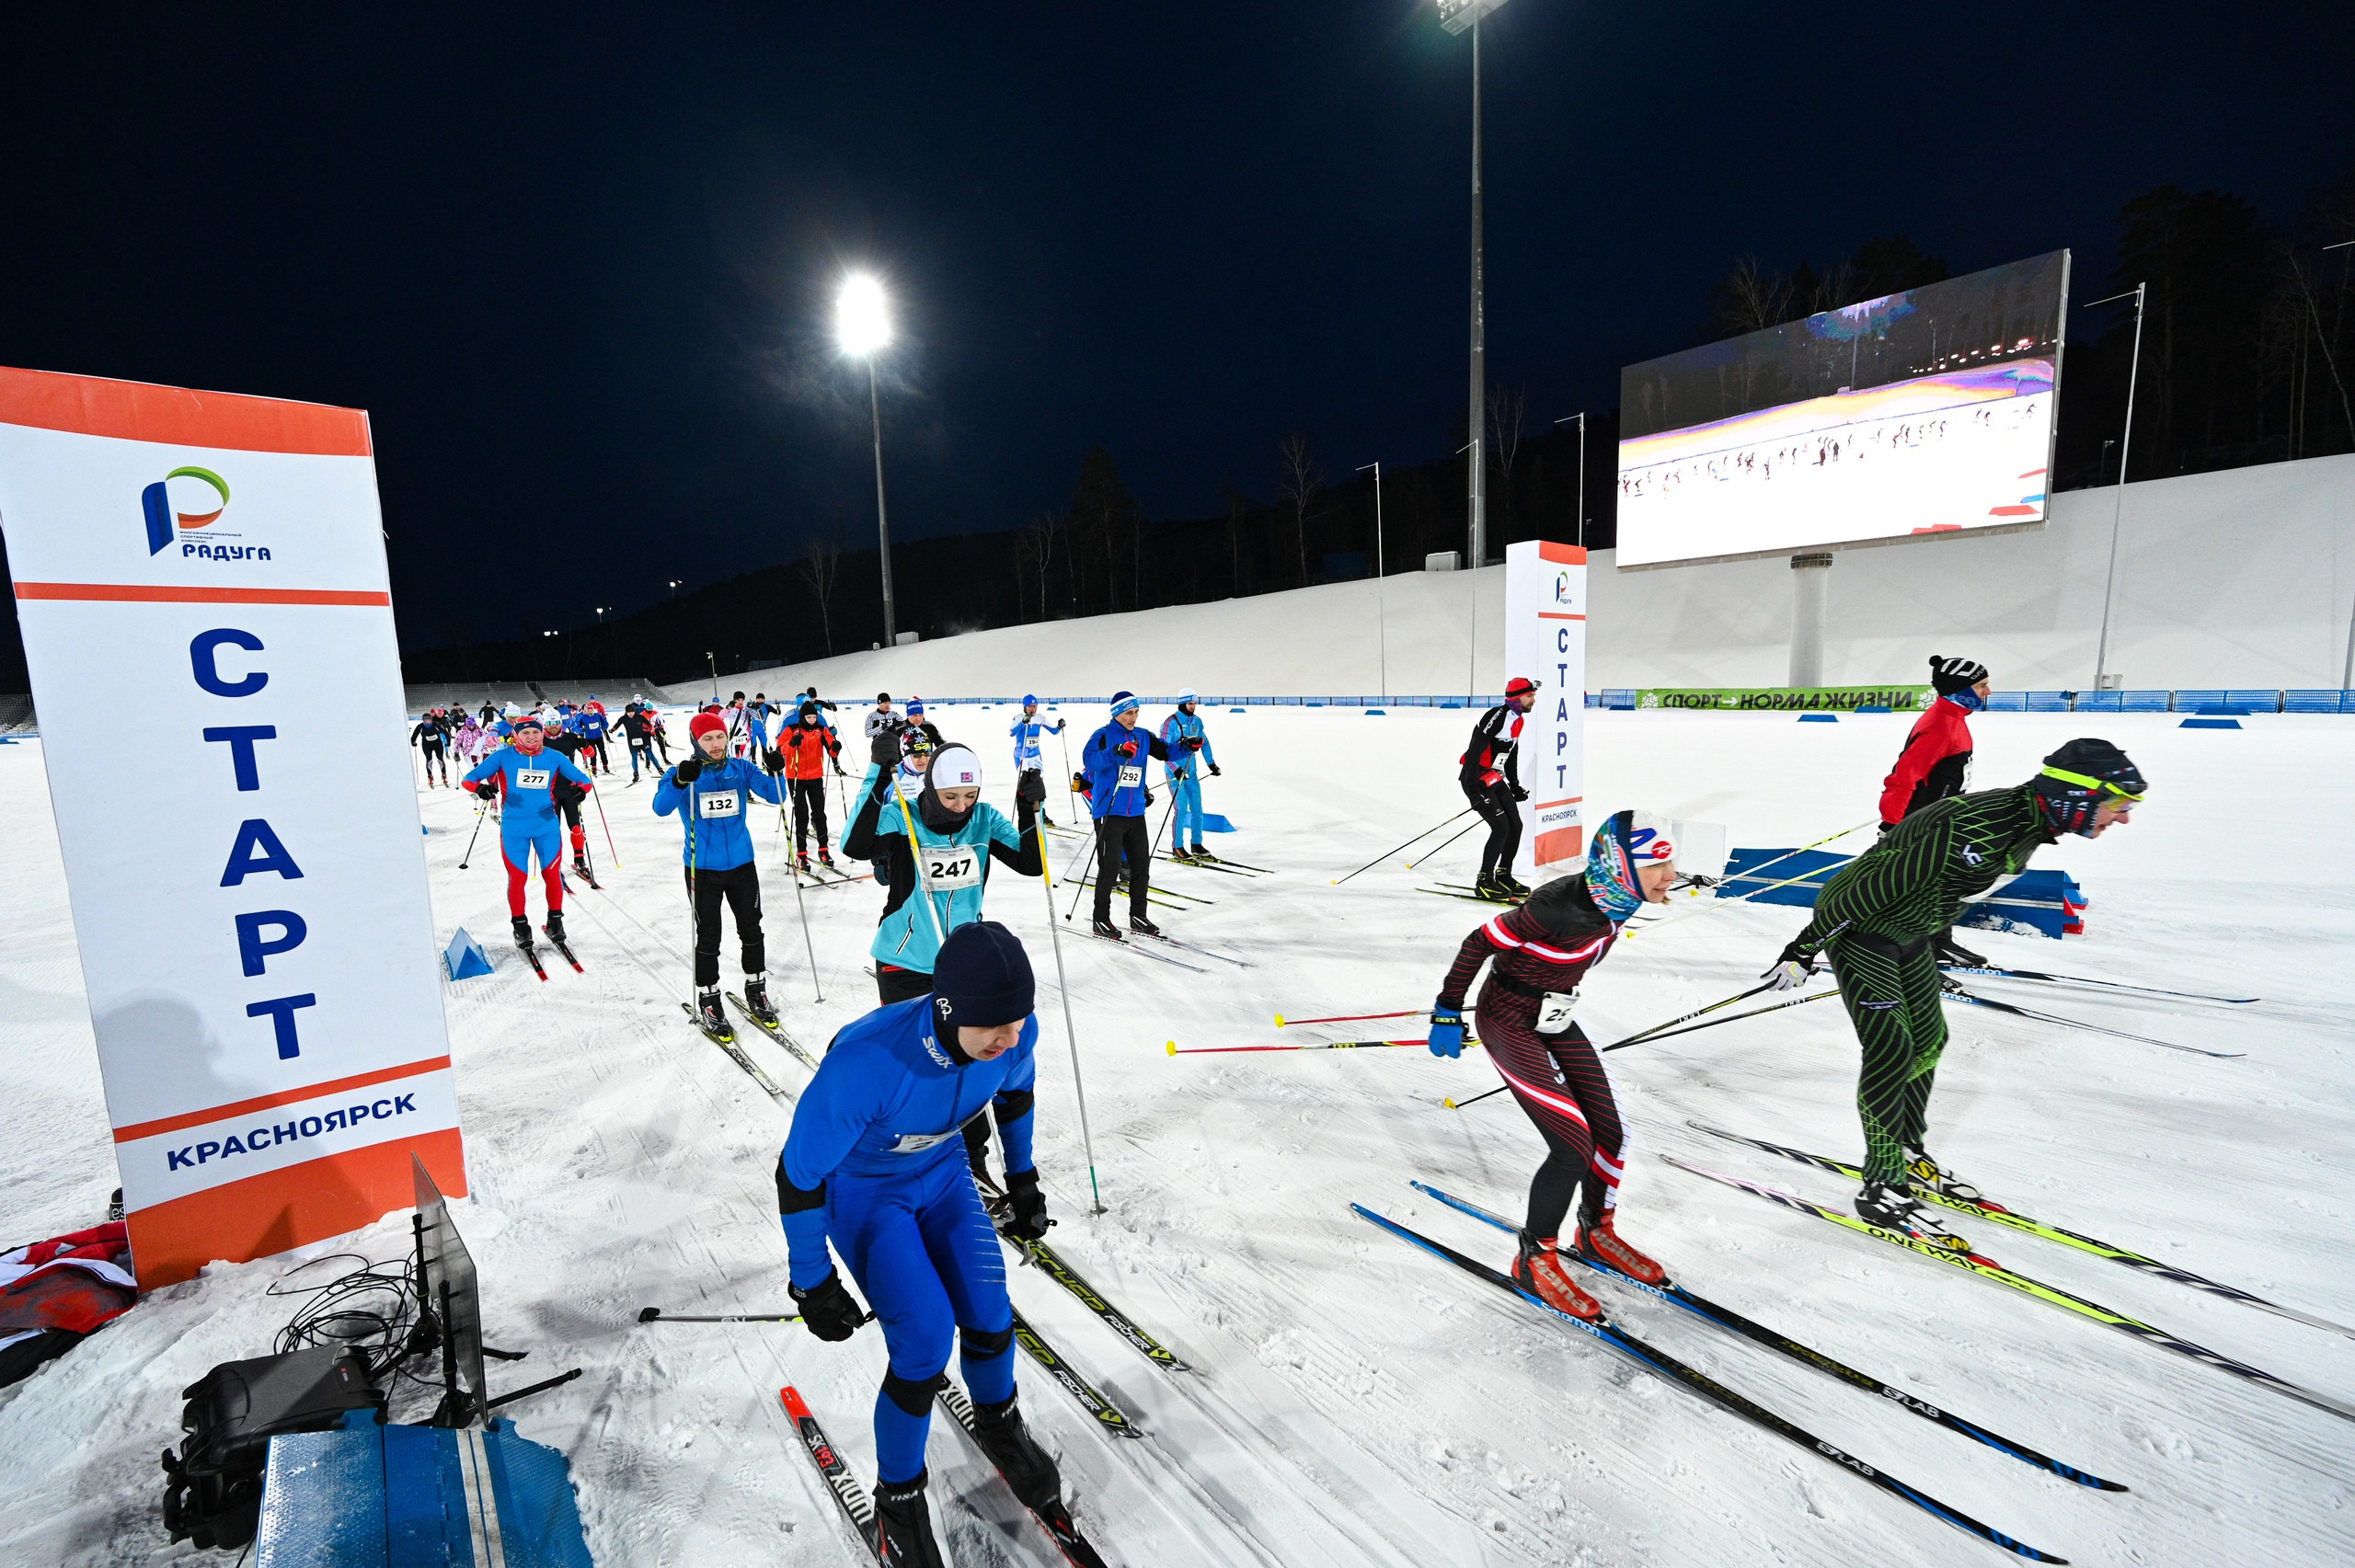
(1357, 1401)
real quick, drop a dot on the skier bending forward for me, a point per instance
(1542, 950)
(871, 1165)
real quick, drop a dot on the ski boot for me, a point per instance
(1107, 929)
(1925, 1174)
(1538, 1267)
(1047, 820)
(1893, 1209)
(581, 866)
(555, 925)
(1515, 888)
(827, 859)
(1493, 889)
(1028, 1468)
(1948, 951)
(1202, 856)
(903, 1524)
(1142, 926)
(801, 863)
(756, 998)
(522, 932)
(1182, 855)
(1599, 1239)
(709, 1014)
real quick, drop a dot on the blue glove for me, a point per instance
(1447, 1032)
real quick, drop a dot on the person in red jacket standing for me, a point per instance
(1935, 763)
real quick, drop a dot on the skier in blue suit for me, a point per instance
(1030, 762)
(714, 789)
(1190, 753)
(870, 1166)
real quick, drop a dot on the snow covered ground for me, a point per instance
(1357, 1400)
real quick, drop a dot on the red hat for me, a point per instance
(1518, 684)
(706, 723)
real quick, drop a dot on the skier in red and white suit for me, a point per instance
(1538, 954)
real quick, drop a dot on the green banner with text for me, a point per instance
(1786, 699)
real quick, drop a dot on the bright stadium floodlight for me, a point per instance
(863, 327)
(1457, 14)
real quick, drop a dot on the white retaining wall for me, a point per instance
(2243, 579)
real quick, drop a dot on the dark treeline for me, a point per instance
(2248, 341)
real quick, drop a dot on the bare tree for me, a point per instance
(1304, 476)
(820, 564)
(1750, 299)
(1508, 422)
(1037, 543)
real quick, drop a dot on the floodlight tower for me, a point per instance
(1456, 16)
(863, 327)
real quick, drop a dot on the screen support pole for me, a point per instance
(1811, 585)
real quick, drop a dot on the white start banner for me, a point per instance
(243, 861)
(1546, 642)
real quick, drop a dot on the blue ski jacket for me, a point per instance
(1184, 735)
(1115, 776)
(885, 1109)
(526, 804)
(1025, 733)
(714, 835)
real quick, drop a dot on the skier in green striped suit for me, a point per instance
(1876, 922)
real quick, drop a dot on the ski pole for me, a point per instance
(810, 944)
(656, 1314)
(915, 854)
(1282, 1022)
(1385, 854)
(1760, 892)
(1173, 1049)
(1154, 848)
(604, 824)
(1071, 1030)
(1697, 1012)
(473, 836)
(1071, 797)
(1666, 1033)
(1452, 838)
(1080, 884)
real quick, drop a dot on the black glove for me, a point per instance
(1214, 770)
(1079, 781)
(567, 793)
(827, 1309)
(1518, 793)
(1126, 749)
(1029, 1223)
(488, 789)
(773, 759)
(1887, 828)
(690, 771)
(1193, 743)
(1148, 797)
(1791, 969)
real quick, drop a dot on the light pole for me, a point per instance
(707, 658)
(674, 583)
(1581, 417)
(1382, 614)
(2347, 671)
(1456, 16)
(863, 327)
(2125, 446)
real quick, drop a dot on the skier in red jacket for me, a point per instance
(1935, 763)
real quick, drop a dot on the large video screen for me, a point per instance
(1924, 412)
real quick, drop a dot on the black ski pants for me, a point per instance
(1891, 995)
(604, 760)
(1502, 813)
(1116, 837)
(1562, 1086)
(434, 758)
(739, 886)
(895, 984)
(809, 804)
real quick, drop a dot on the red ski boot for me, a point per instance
(1539, 1268)
(1600, 1241)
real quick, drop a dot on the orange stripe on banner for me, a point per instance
(285, 1097)
(1557, 615)
(258, 1215)
(1560, 844)
(1569, 555)
(124, 592)
(139, 411)
(1566, 800)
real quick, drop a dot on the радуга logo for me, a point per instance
(162, 523)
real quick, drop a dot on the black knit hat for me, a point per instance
(1952, 675)
(981, 978)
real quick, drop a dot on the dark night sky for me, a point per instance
(577, 261)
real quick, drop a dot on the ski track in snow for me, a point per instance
(1354, 1400)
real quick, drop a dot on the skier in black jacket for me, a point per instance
(1490, 776)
